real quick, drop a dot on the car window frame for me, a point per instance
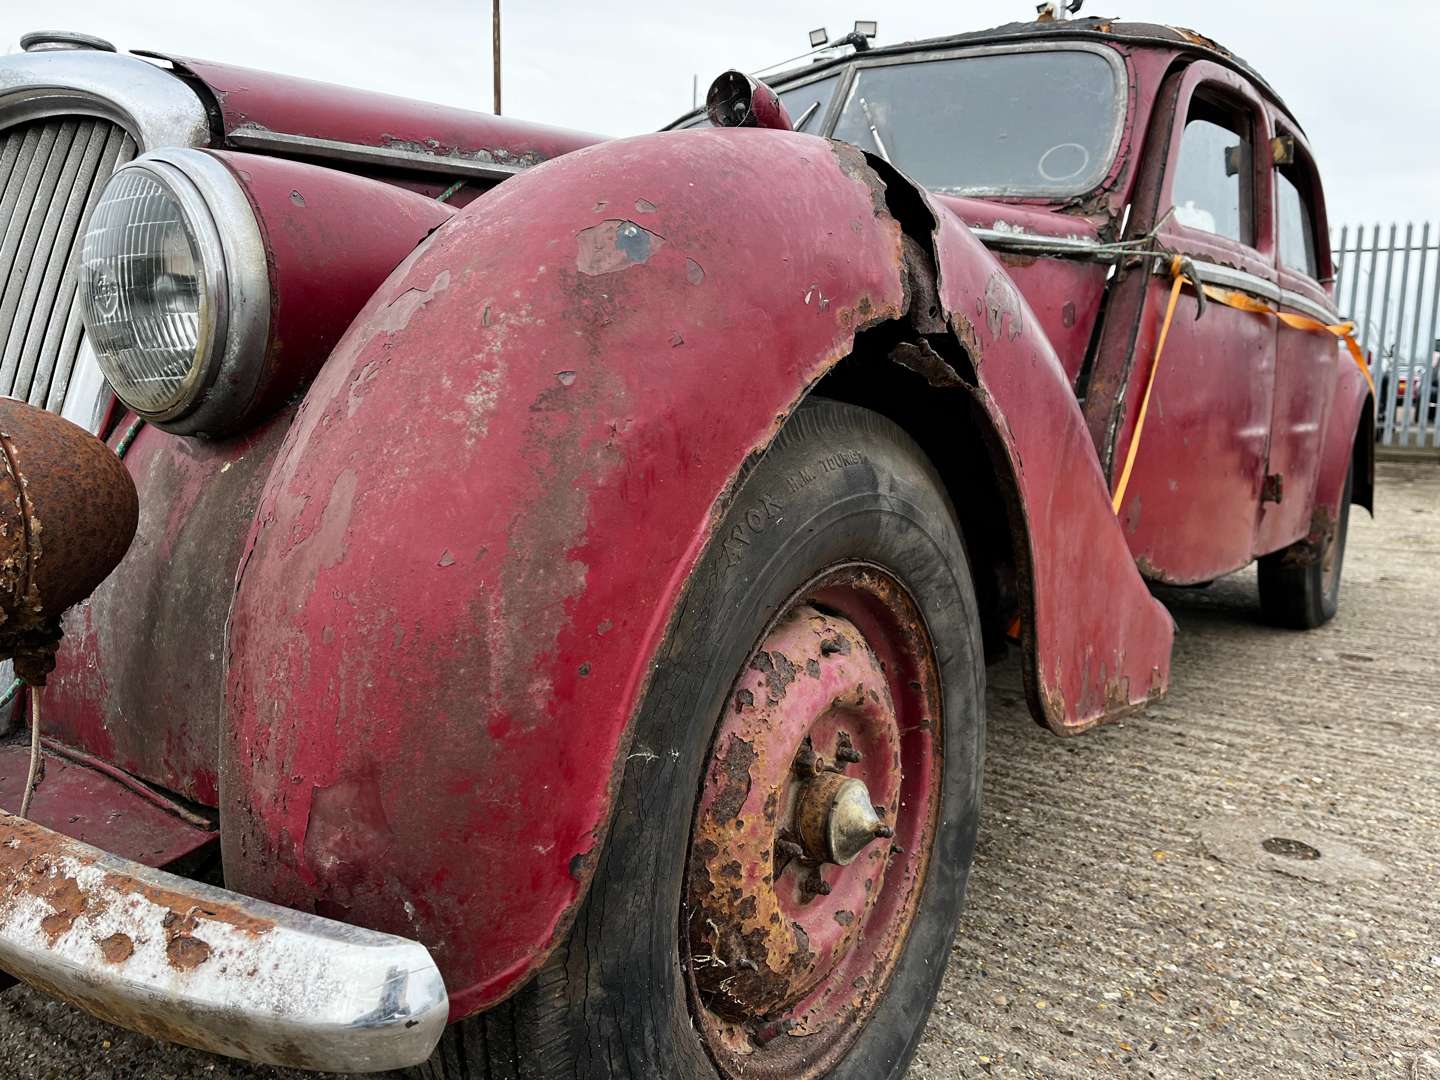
(1312, 190)
(1211, 83)
(1124, 102)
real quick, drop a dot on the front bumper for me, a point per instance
(193, 964)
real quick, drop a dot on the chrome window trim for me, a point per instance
(257, 138)
(1227, 277)
(1109, 55)
(157, 108)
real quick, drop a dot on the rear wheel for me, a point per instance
(1300, 587)
(797, 817)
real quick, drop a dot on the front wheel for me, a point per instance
(1300, 587)
(797, 816)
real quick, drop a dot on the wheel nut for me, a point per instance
(836, 818)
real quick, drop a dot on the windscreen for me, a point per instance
(1025, 123)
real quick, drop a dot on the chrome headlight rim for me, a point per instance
(235, 304)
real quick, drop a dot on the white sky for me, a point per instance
(1361, 77)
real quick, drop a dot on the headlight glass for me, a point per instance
(147, 295)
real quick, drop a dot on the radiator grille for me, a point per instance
(51, 173)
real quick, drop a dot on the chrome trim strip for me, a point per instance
(1021, 243)
(157, 108)
(1227, 277)
(258, 138)
(1305, 306)
(1212, 273)
(211, 968)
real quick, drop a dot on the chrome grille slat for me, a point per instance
(36, 240)
(53, 359)
(45, 280)
(51, 173)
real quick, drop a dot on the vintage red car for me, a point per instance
(566, 569)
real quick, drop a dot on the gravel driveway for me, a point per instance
(1146, 899)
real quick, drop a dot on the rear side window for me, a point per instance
(1214, 181)
(1295, 222)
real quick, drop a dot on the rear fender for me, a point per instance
(485, 514)
(1349, 439)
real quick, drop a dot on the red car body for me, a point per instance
(396, 630)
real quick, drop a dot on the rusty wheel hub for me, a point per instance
(812, 827)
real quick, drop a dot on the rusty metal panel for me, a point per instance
(1194, 496)
(138, 677)
(1097, 642)
(1063, 293)
(100, 810)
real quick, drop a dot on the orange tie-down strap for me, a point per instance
(1345, 331)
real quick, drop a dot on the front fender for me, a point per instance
(472, 542)
(467, 552)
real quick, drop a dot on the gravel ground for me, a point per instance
(1124, 917)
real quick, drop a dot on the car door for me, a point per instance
(1305, 361)
(1190, 508)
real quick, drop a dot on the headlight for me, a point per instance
(174, 289)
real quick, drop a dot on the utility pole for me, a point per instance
(495, 23)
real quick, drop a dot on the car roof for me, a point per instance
(1087, 29)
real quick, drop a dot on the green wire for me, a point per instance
(445, 195)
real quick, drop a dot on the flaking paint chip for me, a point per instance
(446, 559)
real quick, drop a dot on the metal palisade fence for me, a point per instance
(1387, 278)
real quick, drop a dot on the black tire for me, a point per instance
(1299, 587)
(612, 1001)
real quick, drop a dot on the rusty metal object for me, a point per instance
(139, 678)
(67, 513)
(795, 699)
(797, 902)
(197, 965)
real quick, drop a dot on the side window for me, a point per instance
(1214, 180)
(1295, 221)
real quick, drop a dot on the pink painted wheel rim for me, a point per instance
(782, 976)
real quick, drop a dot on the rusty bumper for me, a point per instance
(194, 964)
